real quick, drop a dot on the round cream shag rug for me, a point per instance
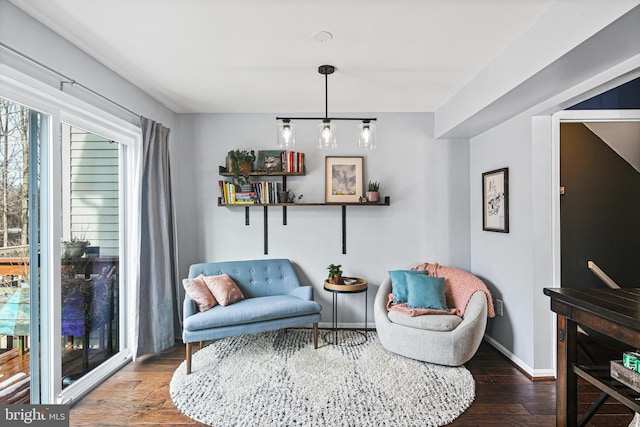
(277, 379)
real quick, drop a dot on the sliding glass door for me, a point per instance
(21, 131)
(68, 218)
(90, 253)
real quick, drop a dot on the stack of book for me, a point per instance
(230, 196)
(245, 198)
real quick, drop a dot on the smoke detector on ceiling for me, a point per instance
(321, 36)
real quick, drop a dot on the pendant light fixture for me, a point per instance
(367, 135)
(327, 128)
(286, 134)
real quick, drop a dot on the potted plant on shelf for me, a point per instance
(373, 194)
(288, 196)
(240, 162)
(293, 198)
(335, 274)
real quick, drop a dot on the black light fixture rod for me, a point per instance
(326, 70)
(330, 118)
(326, 96)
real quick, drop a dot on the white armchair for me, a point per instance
(441, 339)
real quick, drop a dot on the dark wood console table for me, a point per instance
(612, 312)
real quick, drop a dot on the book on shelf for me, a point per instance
(245, 198)
(267, 192)
(280, 161)
(292, 161)
(231, 197)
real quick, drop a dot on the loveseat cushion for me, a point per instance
(223, 289)
(251, 310)
(431, 322)
(198, 291)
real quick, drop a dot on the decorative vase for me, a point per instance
(373, 196)
(246, 188)
(283, 196)
(336, 279)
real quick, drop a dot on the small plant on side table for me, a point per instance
(373, 194)
(335, 274)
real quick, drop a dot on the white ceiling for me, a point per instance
(258, 55)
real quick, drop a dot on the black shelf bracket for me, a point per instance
(266, 230)
(284, 208)
(344, 229)
(265, 208)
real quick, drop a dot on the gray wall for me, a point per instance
(427, 221)
(504, 261)
(517, 131)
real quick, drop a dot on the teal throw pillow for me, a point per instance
(425, 292)
(399, 284)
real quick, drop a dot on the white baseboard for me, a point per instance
(533, 373)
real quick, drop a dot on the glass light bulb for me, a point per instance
(327, 136)
(286, 134)
(367, 135)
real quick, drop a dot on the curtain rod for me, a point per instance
(68, 80)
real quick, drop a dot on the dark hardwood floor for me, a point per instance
(139, 394)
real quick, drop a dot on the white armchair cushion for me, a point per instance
(430, 322)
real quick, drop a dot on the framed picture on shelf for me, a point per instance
(343, 179)
(495, 200)
(270, 160)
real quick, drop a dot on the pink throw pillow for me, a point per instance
(198, 291)
(224, 289)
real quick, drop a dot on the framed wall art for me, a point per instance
(495, 200)
(343, 179)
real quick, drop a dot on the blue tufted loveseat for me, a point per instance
(273, 299)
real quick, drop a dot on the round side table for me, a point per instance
(359, 286)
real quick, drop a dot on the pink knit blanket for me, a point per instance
(459, 286)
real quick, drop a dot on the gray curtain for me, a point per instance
(157, 299)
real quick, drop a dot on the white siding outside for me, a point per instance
(90, 195)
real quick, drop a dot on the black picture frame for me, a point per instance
(495, 200)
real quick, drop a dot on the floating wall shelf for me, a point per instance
(284, 175)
